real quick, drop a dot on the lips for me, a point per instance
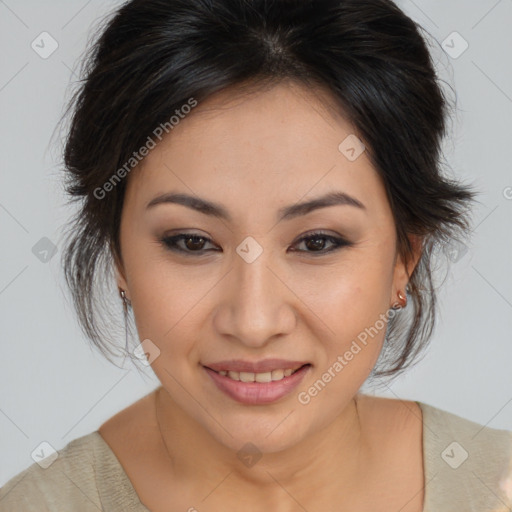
(249, 383)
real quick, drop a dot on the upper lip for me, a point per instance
(266, 365)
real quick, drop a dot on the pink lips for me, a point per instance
(257, 393)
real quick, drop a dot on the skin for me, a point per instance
(255, 154)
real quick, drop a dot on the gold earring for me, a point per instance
(402, 301)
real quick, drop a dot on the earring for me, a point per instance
(126, 303)
(126, 300)
(403, 301)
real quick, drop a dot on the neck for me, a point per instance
(334, 457)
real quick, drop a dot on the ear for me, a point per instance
(402, 272)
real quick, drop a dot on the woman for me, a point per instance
(261, 180)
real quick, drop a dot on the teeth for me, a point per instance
(246, 377)
(277, 374)
(257, 377)
(263, 377)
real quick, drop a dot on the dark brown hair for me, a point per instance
(152, 56)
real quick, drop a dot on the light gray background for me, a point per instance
(55, 388)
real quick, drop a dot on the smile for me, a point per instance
(258, 387)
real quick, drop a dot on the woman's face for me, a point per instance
(251, 287)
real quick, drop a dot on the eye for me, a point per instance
(190, 243)
(316, 243)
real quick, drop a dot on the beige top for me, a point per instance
(468, 468)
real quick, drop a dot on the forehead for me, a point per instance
(280, 142)
(286, 114)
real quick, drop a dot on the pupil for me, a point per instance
(316, 243)
(195, 240)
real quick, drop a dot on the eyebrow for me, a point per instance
(286, 213)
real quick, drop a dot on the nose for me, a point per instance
(256, 305)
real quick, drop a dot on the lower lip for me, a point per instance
(257, 393)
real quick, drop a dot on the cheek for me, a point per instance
(348, 297)
(163, 310)
(356, 312)
(159, 294)
(352, 305)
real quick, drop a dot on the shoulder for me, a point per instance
(70, 478)
(84, 476)
(466, 463)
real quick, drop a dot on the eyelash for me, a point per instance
(171, 243)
